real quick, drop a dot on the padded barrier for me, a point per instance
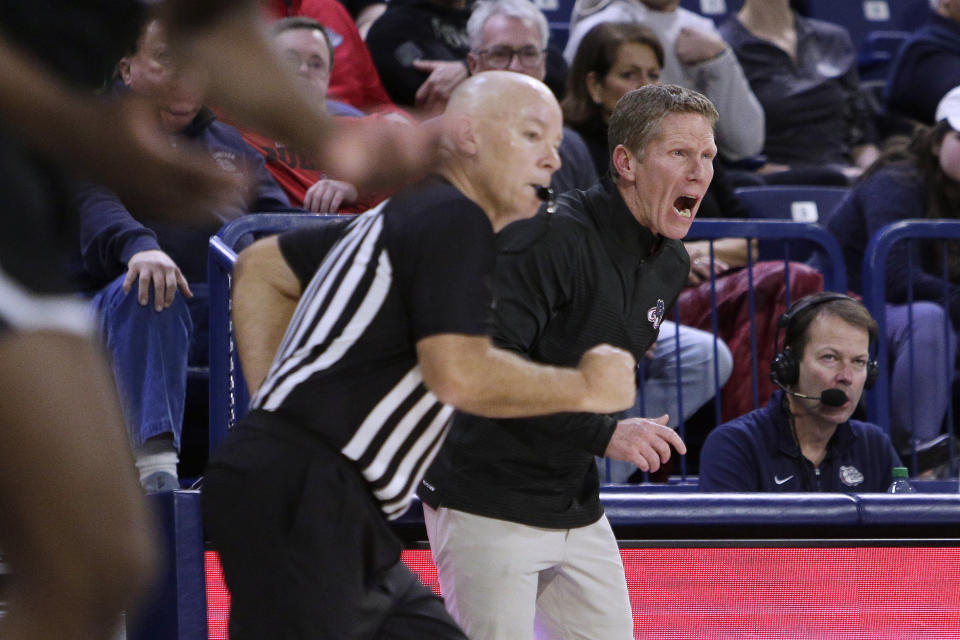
(682, 505)
(177, 606)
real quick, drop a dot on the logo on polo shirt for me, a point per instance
(850, 476)
(655, 314)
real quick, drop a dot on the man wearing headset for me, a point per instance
(804, 439)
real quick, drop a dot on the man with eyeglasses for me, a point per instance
(512, 35)
(420, 49)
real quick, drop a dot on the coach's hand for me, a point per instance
(645, 442)
(610, 375)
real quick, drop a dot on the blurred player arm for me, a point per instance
(103, 139)
(229, 42)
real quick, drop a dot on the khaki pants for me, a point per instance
(507, 581)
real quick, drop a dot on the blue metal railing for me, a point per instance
(875, 298)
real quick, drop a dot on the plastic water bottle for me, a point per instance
(900, 483)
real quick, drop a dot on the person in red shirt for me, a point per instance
(305, 43)
(355, 79)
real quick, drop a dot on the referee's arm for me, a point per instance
(265, 294)
(470, 373)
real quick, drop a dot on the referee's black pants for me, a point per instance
(305, 550)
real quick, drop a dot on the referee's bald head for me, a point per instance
(495, 92)
(502, 134)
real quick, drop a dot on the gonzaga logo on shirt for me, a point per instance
(655, 314)
(850, 476)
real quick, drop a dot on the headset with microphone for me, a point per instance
(785, 368)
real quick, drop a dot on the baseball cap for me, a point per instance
(949, 108)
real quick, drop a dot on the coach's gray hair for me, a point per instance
(522, 9)
(637, 118)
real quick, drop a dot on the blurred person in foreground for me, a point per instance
(358, 340)
(512, 507)
(804, 439)
(75, 529)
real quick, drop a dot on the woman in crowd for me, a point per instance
(919, 178)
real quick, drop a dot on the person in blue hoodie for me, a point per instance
(928, 65)
(150, 276)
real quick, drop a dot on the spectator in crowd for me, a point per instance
(916, 179)
(76, 532)
(420, 48)
(804, 72)
(694, 56)
(512, 507)
(927, 65)
(353, 77)
(149, 276)
(614, 58)
(512, 35)
(804, 439)
(306, 45)
(337, 442)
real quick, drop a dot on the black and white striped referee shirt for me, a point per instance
(416, 266)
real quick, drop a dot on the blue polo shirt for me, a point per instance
(757, 452)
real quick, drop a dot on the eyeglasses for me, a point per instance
(501, 57)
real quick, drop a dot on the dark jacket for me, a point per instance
(412, 30)
(757, 452)
(110, 234)
(926, 68)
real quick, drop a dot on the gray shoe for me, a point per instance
(160, 482)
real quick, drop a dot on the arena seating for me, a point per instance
(558, 18)
(861, 17)
(875, 297)
(717, 10)
(798, 203)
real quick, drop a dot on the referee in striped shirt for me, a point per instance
(358, 340)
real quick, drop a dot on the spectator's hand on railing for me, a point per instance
(646, 442)
(695, 46)
(327, 195)
(157, 268)
(700, 265)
